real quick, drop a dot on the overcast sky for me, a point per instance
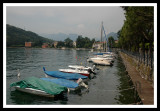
(82, 20)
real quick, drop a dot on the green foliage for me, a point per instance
(60, 44)
(68, 43)
(17, 37)
(111, 42)
(84, 42)
(137, 28)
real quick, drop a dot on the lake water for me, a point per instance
(106, 88)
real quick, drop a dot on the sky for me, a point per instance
(81, 20)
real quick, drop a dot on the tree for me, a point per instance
(137, 28)
(68, 42)
(84, 42)
(80, 42)
(111, 41)
(60, 44)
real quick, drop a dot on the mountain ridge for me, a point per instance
(62, 36)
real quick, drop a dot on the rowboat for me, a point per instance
(69, 76)
(39, 87)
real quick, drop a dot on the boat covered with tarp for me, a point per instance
(39, 87)
(69, 76)
(62, 82)
(67, 83)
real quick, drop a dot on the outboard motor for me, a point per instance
(81, 83)
(90, 71)
(94, 67)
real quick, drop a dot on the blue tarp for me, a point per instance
(98, 54)
(70, 76)
(62, 82)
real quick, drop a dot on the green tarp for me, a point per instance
(36, 83)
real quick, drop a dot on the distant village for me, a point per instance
(96, 45)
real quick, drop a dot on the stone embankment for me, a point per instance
(140, 77)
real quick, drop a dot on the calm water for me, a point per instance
(105, 89)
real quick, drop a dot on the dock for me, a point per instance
(144, 88)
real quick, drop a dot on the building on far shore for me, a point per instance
(28, 44)
(74, 44)
(98, 45)
(55, 44)
(45, 45)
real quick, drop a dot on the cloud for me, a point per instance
(80, 26)
(66, 19)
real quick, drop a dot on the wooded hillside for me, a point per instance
(16, 37)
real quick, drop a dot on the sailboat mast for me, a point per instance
(101, 35)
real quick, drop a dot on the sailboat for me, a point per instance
(101, 58)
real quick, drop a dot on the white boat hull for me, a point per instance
(85, 73)
(34, 91)
(102, 62)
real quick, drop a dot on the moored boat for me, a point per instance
(69, 76)
(67, 83)
(39, 87)
(79, 71)
(102, 62)
(82, 67)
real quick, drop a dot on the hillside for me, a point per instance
(17, 37)
(60, 36)
(114, 35)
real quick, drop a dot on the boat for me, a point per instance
(100, 56)
(67, 83)
(82, 67)
(75, 71)
(39, 87)
(102, 62)
(83, 70)
(69, 76)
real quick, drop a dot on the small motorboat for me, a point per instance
(102, 62)
(39, 87)
(79, 71)
(82, 67)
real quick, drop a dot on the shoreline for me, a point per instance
(145, 89)
(54, 48)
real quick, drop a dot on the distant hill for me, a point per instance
(60, 36)
(17, 37)
(113, 34)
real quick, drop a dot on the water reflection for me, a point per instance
(106, 87)
(18, 97)
(127, 93)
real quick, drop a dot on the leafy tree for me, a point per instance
(111, 41)
(84, 42)
(60, 44)
(137, 28)
(68, 42)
